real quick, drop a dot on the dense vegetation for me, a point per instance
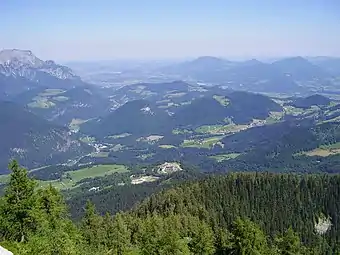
(280, 147)
(142, 117)
(233, 214)
(307, 102)
(34, 140)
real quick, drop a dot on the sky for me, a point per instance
(153, 29)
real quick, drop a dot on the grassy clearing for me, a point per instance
(96, 171)
(321, 152)
(222, 100)
(291, 110)
(75, 123)
(51, 92)
(167, 146)
(220, 129)
(178, 131)
(88, 139)
(102, 154)
(207, 143)
(88, 91)
(165, 101)
(173, 95)
(186, 103)
(331, 146)
(150, 139)
(69, 179)
(41, 102)
(60, 98)
(274, 117)
(119, 136)
(324, 150)
(223, 157)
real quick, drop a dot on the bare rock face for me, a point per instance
(23, 63)
(3, 251)
(323, 225)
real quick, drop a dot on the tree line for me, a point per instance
(232, 214)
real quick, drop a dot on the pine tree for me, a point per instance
(120, 235)
(248, 238)
(289, 243)
(19, 202)
(92, 226)
(51, 204)
(201, 237)
(57, 233)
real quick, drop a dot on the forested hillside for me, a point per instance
(34, 140)
(249, 213)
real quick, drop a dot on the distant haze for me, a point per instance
(151, 29)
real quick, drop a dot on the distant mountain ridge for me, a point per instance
(282, 75)
(21, 70)
(23, 63)
(301, 69)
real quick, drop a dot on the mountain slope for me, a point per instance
(274, 201)
(22, 63)
(240, 107)
(21, 70)
(254, 75)
(138, 117)
(205, 64)
(202, 111)
(61, 106)
(331, 65)
(300, 69)
(32, 140)
(307, 102)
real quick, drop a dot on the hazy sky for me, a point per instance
(110, 29)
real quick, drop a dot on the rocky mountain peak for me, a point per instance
(23, 57)
(23, 63)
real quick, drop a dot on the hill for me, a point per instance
(256, 76)
(292, 146)
(35, 141)
(151, 92)
(203, 68)
(141, 117)
(64, 105)
(240, 107)
(307, 102)
(252, 75)
(138, 117)
(331, 65)
(202, 111)
(301, 69)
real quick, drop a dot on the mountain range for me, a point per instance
(283, 75)
(21, 70)
(182, 116)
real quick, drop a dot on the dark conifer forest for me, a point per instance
(237, 213)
